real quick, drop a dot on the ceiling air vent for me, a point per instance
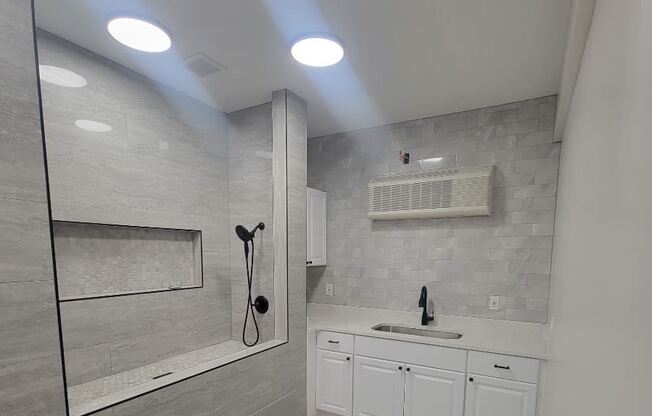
(459, 192)
(203, 65)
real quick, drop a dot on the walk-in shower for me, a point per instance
(148, 178)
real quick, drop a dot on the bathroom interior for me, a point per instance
(319, 208)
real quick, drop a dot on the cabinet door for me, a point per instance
(334, 382)
(316, 227)
(487, 396)
(431, 392)
(378, 387)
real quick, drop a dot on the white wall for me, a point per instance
(600, 307)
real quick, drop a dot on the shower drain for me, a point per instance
(162, 375)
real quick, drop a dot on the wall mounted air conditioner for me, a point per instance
(458, 192)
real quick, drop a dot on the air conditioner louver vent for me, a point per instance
(432, 194)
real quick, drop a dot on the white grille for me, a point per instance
(203, 65)
(456, 192)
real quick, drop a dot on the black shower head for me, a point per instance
(244, 234)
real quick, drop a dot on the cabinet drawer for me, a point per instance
(411, 353)
(334, 341)
(504, 366)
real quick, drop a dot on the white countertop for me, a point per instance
(490, 335)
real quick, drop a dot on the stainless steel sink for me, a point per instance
(398, 329)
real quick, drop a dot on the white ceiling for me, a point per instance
(405, 59)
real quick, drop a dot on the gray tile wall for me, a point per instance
(164, 164)
(250, 202)
(462, 261)
(245, 387)
(31, 380)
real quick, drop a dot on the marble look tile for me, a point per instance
(455, 251)
(164, 164)
(192, 397)
(86, 364)
(106, 389)
(24, 242)
(21, 158)
(251, 199)
(235, 394)
(28, 321)
(286, 405)
(32, 387)
(18, 94)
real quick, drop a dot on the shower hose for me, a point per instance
(250, 303)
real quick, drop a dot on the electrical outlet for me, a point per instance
(494, 303)
(329, 289)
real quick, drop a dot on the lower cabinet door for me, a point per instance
(378, 387)
(488, 396)
(431, 392)
(334, 382)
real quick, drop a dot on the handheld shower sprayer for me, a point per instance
(261, 305)
(245, 235)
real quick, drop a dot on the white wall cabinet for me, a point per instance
(334, 382)
(488, 396)
(427, 389)
(316, 228)
(378, 387)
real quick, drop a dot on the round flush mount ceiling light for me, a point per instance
(61, 76)
(318, 50)
(94, 126)
(139, 34)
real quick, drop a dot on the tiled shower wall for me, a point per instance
(31, 378)
(274, 380)
(164, 164)
(462, 261)
(250, 202)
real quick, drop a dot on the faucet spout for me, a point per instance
(423, 303)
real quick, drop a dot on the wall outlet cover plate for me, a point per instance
(329, 289)
(494, 303)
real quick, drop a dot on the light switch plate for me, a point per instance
(494, 303)
(329, 289)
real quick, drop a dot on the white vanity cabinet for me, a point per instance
(389, 388)
(395, 378)
(488, 396)
(501, 385)
(334, 373)
(429, 388)
(362, 376)
(316, 228)
(378, 387)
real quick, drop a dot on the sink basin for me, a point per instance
(398, 329)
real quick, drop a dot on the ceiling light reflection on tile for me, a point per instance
(61, 76)
(94, 126)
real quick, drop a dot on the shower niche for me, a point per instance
(103, 260)
(151, 276)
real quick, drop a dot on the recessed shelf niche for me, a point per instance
(102, 260)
